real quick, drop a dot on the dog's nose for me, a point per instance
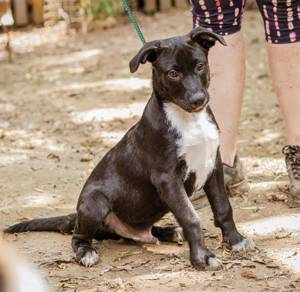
(198, 99)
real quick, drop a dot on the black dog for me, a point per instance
(158, 164)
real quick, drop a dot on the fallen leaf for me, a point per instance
(39, 190)
(164, 249)
(209, 235)
(86, 158)
(127, 254)
(284, 235)
(272, 266)
(260, 261)
(294, 254)
(248, 275)
(24, 218)
(90, 290)
(53, 156)
(35, 168)
(248, 264)
(275, 197)
(227, 287)
(254, 208)
(230, 263)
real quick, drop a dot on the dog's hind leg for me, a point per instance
(168, 234)
(104, 233)
(91, 213)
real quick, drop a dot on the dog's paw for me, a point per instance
(87, 257)
(178, 236)
(211, 264)
(214, 263)
(247, 244)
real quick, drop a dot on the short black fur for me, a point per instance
(142, 178)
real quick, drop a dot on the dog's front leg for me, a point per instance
(218, 199)
(172, 192)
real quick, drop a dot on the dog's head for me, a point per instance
(180, 67)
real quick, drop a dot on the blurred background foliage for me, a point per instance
(100, 9)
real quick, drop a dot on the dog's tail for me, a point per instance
(63, 224)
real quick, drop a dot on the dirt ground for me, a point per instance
(67, 99)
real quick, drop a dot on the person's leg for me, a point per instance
(227, 66)
(282, 26)
(284, 62)
(227, 90)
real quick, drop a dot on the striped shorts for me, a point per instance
(281, 17)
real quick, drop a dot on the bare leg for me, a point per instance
(226, 91)
(284, 61)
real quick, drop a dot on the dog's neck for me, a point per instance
(173, 109)
(163, 103)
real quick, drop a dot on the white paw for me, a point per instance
(214, 263)
(178, 235)
(247, 244)
(89, 259)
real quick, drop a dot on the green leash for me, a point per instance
(133, 20)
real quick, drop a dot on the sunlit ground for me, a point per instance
(272, 225)
(108, 114)
(70, 59)
(26, 41)
(278, 227)
(39, 200)
(288, 256)
(112, 136)
(113, 85)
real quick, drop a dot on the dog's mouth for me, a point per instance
(199, 108)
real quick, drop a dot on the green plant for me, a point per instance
(101, 8)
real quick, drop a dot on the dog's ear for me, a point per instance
(206, 38)
(149, 52)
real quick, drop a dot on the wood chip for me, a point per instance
(248, 275)
(24, 218)
(53, 157)
(86, 158)
(284, 235)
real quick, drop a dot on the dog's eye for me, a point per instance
(199, 67)
(174, 75)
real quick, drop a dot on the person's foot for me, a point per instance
(234, 178)
(197, 199)
(292, 160)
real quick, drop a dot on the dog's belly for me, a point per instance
(118, 226)
(133, 216)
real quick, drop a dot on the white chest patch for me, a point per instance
(198, 142)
